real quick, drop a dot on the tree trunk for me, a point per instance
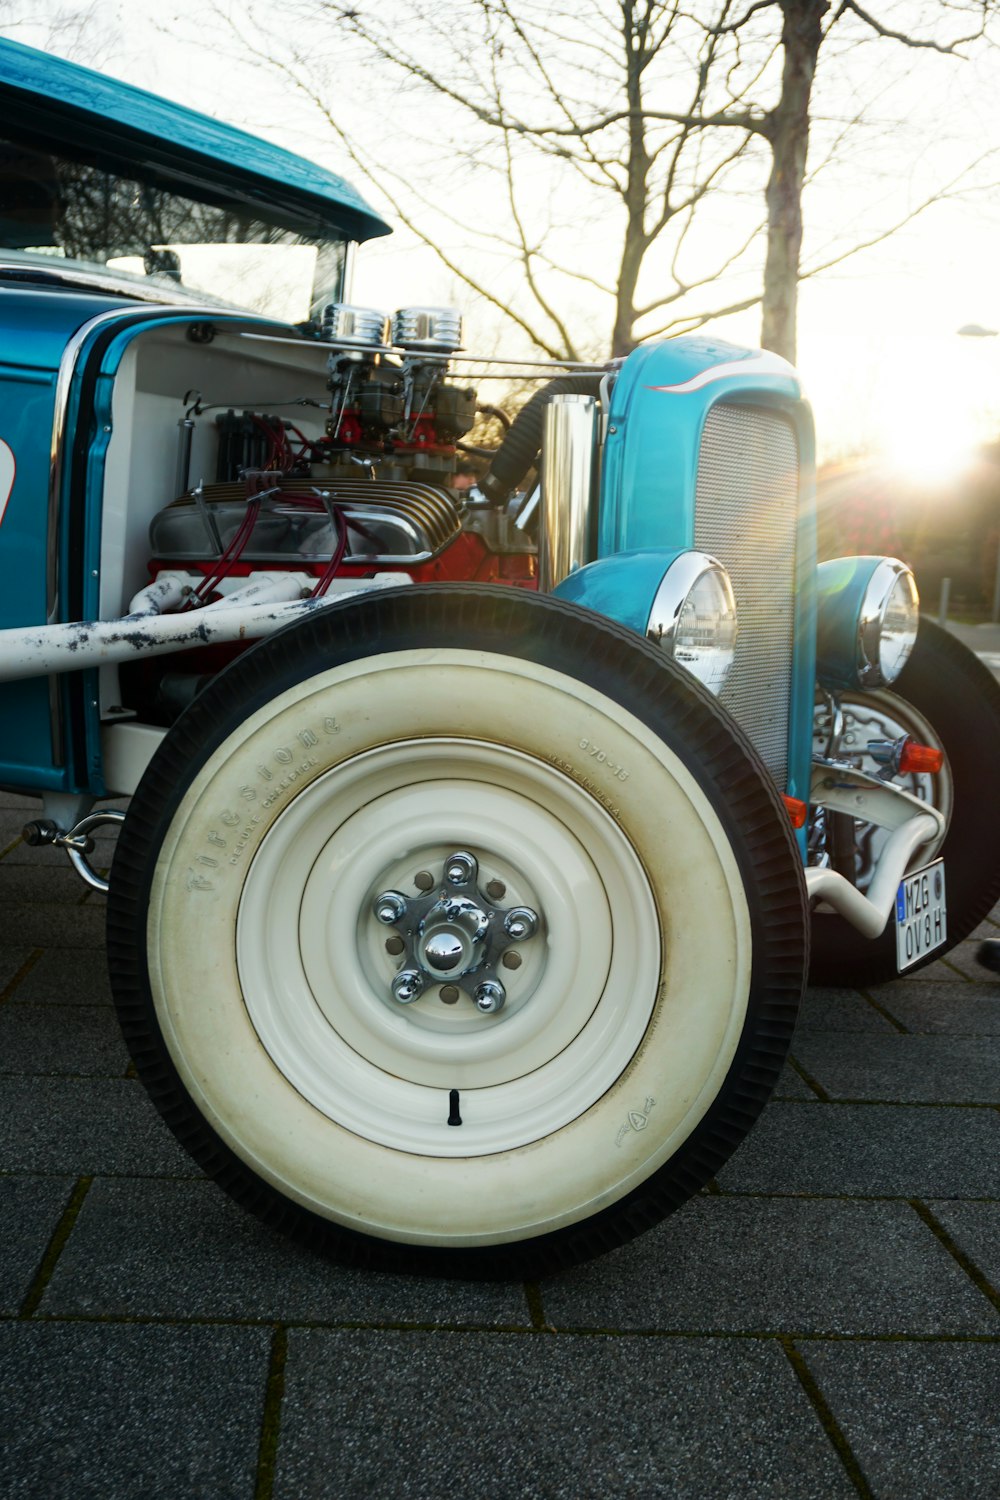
(788, 133)
(636, 191)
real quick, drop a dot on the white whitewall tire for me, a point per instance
(597, 787)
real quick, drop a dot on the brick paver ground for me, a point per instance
(824, 1321)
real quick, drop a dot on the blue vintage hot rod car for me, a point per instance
(477, 837)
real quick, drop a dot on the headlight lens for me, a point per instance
(693, 618)
(887, 624)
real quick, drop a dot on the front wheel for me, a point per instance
(457, 931)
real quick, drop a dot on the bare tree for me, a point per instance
(591, 123)
(80, 29)
(623, 122)
(806, 28)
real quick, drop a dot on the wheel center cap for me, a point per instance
(451, 938)
(456, 934)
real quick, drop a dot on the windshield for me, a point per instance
(89, 217)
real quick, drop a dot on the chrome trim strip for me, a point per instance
(468, 359)
(56, 270)
(347, 270)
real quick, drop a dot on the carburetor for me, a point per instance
(392, 408)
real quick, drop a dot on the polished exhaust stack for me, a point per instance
(568, 473)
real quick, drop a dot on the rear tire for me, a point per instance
(957, 702)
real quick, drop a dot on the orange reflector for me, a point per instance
(914, 757)
(797, 811)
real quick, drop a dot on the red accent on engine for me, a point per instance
(465, 560)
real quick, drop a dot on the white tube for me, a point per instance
(870, 913)
(165, 592)
(41, 649)
(264, 588)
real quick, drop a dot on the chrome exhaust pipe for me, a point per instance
(568, 470)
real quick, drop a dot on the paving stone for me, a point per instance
(505, 1416)
(182, 1249)
(42, 883)
(839, 1010)
(762, 1265)
(975, 1228)
(932, 1008)
(66, 976)
(11, 823)
(98, 1412)
(963, 958)
(30, 1209)
(12, 959)
(923, 1420)
(74, 1039)
(987, 929)
(21, 854)
(941, 969)
(791, 1085)
(16, 800)
(910, 1069)
(869, 1149)
(86, 1126)
(52, 926)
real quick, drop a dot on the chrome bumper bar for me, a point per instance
(912, 823)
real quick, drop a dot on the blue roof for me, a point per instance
(49, 97)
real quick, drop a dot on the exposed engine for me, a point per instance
(377, 489)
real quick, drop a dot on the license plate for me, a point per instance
(921, 914)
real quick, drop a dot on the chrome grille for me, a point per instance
(746, 513)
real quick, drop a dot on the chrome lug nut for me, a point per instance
(520, 923)
(461, 868)
(407, 986)
(490, 996)
(390, 907)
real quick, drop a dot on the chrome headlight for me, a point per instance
(866, 620)
(887, 623)
(693, 618)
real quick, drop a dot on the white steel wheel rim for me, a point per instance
(883, 715)
(323, 1008)
(525, 712)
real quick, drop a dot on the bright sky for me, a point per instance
(878, 343)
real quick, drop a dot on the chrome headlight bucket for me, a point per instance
(867, 617)
(887, 623)
(681, 600)
(693, 618)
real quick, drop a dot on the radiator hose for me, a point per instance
(523, 443)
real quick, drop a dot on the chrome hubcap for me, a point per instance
(455, 932)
